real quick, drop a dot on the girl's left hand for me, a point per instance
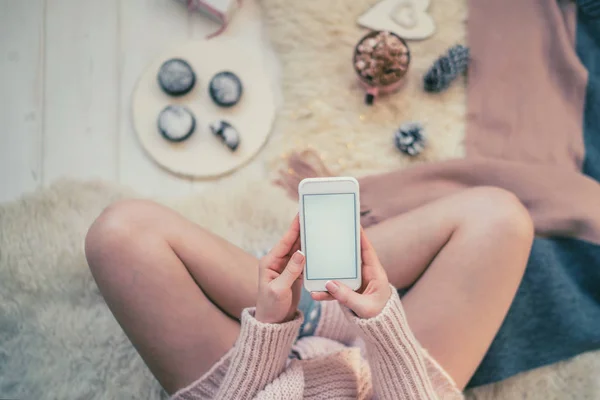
(280, 279)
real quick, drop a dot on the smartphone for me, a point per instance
(330, 232)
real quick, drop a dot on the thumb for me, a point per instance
(291, 272)
(346, 296)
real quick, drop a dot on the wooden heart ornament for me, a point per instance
(405, 15)
(406, 18)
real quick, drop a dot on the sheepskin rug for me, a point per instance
(323, 103)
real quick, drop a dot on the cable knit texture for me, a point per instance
(397, 364)
(352, 358)
(334, 325)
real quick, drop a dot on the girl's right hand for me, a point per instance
(374, 293)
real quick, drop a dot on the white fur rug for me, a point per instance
(324, 105)
(58, 340)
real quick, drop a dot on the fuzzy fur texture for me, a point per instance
(324, 104)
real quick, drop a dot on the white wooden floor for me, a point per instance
(67, 72)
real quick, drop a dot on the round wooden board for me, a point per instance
(203, 155)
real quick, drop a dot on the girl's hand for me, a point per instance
(280, 279)
(374, 292)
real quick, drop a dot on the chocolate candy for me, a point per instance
(225, 89)
(176, 77)
(227, 133)
(176, 123)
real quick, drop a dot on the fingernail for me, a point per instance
(331, 287)
(298, 257)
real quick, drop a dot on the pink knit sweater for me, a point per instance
(349, 358)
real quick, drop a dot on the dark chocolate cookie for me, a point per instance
(227, 133)
(176, 77)
(225, 89)
(176, 123)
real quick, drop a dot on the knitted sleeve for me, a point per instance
(259, 356)
(397, 362)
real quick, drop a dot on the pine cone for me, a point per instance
(446, 68)
(410, 138)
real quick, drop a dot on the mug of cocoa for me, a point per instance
(381, 60)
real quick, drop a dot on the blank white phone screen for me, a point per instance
(330, 236)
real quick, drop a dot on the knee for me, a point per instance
(501, 213)
(114, 230)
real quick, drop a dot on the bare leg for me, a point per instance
(465, 256)
(157, 272)
(173, 286)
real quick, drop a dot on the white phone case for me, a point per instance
(331, 185)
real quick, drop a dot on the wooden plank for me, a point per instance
(148, 28)
(81, 90)
(21, 63)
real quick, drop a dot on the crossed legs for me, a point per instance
(177, 290)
